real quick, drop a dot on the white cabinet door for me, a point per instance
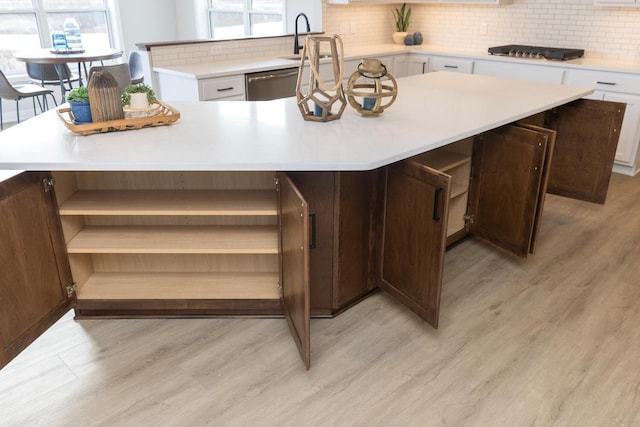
(177, 88)
(533, 73)
(400, 66)
(418, 64)
(630, 132)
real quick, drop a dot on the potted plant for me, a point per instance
(78, 99)
(402, 18)
(138, 96)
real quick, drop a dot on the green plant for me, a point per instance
(126, 94)
(402, 17)
(78, 94)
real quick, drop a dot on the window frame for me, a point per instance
(39, 12)
(247, 12)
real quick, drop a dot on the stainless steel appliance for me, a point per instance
(538, 52)
(273, 84)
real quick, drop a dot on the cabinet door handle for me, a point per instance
(450, 66)
(606, 83)
(436, 203)
(312, 217)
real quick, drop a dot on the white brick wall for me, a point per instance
(603, 32)
(611, 33)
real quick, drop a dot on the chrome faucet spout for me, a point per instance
(296, 44)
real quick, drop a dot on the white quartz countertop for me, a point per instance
(431, 110)
(225, 68)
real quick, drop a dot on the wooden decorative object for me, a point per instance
(104, 97)
(322, 102)
(369, 98)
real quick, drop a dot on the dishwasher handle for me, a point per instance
(252, 79)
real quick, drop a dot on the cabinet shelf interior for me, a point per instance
(171, 202)
(168, 286)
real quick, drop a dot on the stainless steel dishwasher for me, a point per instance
(272, 84)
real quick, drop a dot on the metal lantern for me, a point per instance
(378, 91)
(321, 102)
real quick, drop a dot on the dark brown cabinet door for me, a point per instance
(294, 263)
(587, 138)
(414, 229)
(508, 167)
(551, 140)
(34, 268)
(342, 205)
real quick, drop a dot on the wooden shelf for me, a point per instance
(171, 286)
(176, 240)
(171, 202)
(442, 160)
(458, 190)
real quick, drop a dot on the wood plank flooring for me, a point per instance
(550, 341)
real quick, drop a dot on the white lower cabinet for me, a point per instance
(418, 64)
(627, 152)
(179, 88)
(400, 66)
(222, 88)
(533, 73)
(616, 87)
(443, 63)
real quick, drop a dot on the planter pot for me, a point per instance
(398, 37)
(81, 111)
(139, 101)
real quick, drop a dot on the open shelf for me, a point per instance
(456, 164)
(176, 240)
(442, 159)
(173, 286)
(171, 202)
(157, 243)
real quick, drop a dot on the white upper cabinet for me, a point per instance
(493, 2)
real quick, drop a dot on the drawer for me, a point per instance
(221, 87)
(602, 80)
(450, 64)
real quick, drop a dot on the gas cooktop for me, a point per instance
(539, 52)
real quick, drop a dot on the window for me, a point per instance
(28, 24)
(229, 19)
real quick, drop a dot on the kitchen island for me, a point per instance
(431, 111)
(184, 220)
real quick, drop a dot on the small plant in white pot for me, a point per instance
(138, 96)
(402, 18)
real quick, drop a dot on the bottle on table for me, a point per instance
(58, 40)
(72, 34)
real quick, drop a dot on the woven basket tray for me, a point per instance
(166, 116)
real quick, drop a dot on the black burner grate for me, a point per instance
(524, 51)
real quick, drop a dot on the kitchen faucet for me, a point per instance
(296, 46)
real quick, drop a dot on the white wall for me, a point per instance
(311, 8)
(147, 21)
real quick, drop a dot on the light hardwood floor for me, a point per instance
(553, 340)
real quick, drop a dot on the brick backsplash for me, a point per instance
(603, 32)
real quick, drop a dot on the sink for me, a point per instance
(297, 57)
